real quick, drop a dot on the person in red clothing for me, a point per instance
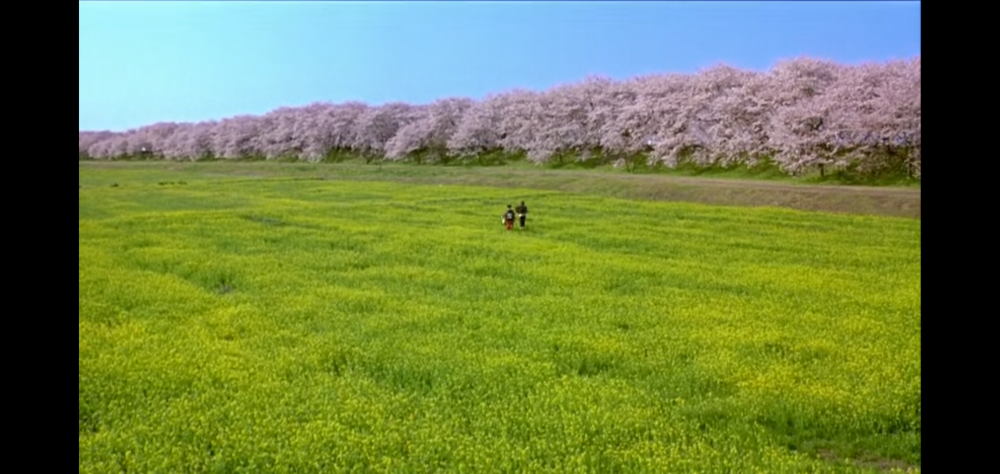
(508, 218)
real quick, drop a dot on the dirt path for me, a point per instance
(884, 201)
(824, 188)
(728, 182)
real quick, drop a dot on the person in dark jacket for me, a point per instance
(522, 212)
(508, 218)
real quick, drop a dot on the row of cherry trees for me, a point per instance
(802, 114)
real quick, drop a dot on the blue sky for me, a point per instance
(146, 62)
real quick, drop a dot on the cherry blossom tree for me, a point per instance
(520, 111)
(647, 126)
(429, 131)
(799, 126)
(112, 147)
(312, 132)
(564, 121)
(330, 129)
(478, 130)
(622, 121)
(695, 127)
(603, 100)
(277, 136)
(88, 139)
(803, 113)
(595, 93)
(747, 113)
(237, 137)
(411, 137)
(151, 140)
(192, 141)
(881, 102)
(723, 119)
(377, 125)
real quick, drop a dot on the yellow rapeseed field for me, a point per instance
(295, 326)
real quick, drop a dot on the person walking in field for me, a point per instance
(522, 212)
(508, 218)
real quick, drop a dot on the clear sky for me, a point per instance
(146, 62)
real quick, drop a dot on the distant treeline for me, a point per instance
(803, 114)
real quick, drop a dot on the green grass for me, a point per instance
(765, 170)
(262, 317)
(705, 188)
